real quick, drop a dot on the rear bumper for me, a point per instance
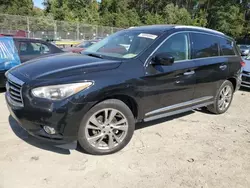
(245, 80)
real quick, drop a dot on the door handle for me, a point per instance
(223, 67)
(188, 73)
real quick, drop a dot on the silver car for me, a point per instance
(244, 49)
(246, 73)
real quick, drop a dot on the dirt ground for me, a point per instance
(195, 149)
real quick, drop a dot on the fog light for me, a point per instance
(49, 130)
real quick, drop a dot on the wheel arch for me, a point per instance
(128, 100)
(233, 81)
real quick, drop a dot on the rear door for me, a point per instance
(212, 65)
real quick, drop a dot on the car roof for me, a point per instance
(28, 39)
(164, 28)
(156, 28)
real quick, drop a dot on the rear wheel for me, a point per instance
(223, 98)
(106, 128)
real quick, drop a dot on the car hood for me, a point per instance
(247, 66)
(63, 65)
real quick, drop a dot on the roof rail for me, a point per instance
(200, 28)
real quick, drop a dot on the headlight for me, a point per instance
(58, 92)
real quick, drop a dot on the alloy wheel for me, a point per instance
(106, 129)
(225, 97)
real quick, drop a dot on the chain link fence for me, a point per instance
(42, 27)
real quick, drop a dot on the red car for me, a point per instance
(80, 47)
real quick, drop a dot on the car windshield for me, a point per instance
(124, 44)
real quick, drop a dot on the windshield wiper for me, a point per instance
(95, 55)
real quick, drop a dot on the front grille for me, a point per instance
(14, 89)
(245, 79)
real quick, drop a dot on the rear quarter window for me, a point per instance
(204, 45)
(227, 47)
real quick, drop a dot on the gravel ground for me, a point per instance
(195, 149)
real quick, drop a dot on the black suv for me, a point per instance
(138, 74)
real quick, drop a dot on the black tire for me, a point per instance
(214, 108)
(114, 104)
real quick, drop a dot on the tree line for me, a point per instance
(229, 16)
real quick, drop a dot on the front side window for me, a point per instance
(125, 44)
(204, 45)
(176, 46)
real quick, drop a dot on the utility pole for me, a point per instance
(28, 26)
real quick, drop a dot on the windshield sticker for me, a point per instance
(149, 36)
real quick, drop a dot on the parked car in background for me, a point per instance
(96, 97)
(246, 73)
(8, 57)
(32, 48)
(14, 51)
(66, 43)
(80, 47)
(244, 49)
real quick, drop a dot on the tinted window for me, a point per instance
(227, 47)
(177, 46)
(33, 48)
(204, 46)
(40, 48)
(23, 46)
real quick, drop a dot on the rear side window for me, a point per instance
(204, 45)
(227, 47)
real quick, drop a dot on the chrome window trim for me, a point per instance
(178, 32)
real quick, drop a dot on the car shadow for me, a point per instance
(22, 134)
(245, 89)
(2, 90)
(142, 125)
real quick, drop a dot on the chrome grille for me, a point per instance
(14, 89)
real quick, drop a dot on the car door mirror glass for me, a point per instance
(163, 59)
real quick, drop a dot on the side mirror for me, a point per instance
(163, 59)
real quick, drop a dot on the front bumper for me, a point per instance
(245, 80)
(65, 119)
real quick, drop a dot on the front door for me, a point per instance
(170, 88)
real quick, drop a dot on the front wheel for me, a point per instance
(106, 128)
(223, 98)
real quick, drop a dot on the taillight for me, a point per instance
(243, 63)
